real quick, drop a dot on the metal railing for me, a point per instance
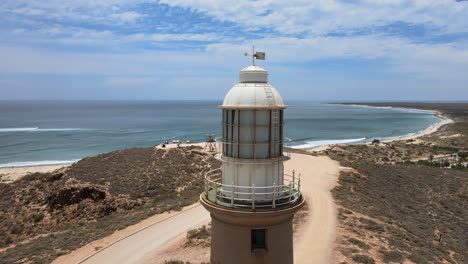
(253, 197)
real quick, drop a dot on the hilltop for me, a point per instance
(396, 200)
(45, 215)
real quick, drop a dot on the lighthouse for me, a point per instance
(251, 198)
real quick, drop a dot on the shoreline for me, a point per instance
(11, 174)
(429, 130)
(14, 172)
(444, 120)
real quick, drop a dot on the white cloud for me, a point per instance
(311, 20)
(171, 37)
(324, 16)
(431, 61)
(127, 17)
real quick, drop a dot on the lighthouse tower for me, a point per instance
(251, 198)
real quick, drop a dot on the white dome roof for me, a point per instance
(253, 95)
(253, 91)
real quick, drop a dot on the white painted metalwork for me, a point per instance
(252, 148)
(241, 196)
(253, 96)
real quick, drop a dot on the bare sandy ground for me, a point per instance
(15, 173)
(137, 243)
(319, 176)
(315, 240)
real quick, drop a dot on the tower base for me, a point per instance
(251, 237)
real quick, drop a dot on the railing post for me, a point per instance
(299, 183)
(290, 193)
(253, 196)
(215, 192)
(294, 177)
(274, 195)
(232, 194)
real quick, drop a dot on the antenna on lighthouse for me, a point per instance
(256, 55)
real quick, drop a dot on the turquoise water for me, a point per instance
(43, 132)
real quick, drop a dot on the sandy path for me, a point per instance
(138, 247)
(319, 176)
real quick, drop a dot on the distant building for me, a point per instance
(251, 199)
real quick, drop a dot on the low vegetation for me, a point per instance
(397, 198)
(198, 237)
(45, 215)
(363, 259)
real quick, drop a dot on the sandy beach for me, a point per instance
(429, 130)
(14, 173)
(443, 121)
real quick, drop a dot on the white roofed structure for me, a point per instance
(253, 91)
(252, 198)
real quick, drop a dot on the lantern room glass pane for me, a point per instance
(246, 117)
(262, 117)
(253, 133)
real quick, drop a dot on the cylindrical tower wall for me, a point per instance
(232, 244)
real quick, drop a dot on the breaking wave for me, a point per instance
(317, 143)
(36, 163)
(37, 129)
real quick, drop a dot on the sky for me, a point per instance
(317, 50)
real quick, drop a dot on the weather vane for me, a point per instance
(256, 55)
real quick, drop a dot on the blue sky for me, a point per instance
(323, 50)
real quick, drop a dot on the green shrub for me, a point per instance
(363, 259)
(358, 243)
(392, 256)
(200, 233)
(37, 217)
(8, 240)
(35, 176)
(372, 225)
(17, 229)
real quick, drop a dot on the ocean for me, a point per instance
(55, 132)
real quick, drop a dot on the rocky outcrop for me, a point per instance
(74, 195)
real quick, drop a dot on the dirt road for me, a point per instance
(314, 245)
(319, 176)
(138, 246)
